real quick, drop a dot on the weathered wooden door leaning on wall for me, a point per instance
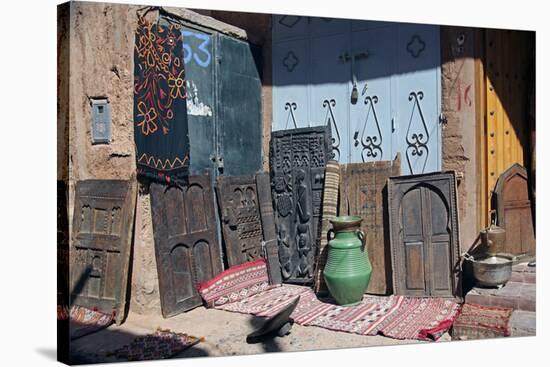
(298, 158)
(363, 193)
(377, 84)
(424, 235)
(102, 226)
(248, 222)
(186, 244)
(514, 211)
(241, 222)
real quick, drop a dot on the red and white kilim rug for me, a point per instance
(394, 316)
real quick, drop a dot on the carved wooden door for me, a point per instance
(514, 210)
(298, 158)
(241, 222)
(186, 244)
(363, 193)
(102, 226)
(424, 235)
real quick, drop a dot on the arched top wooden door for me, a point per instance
(514, 210)
(424, 235)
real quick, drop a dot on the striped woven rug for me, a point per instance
(397, 317)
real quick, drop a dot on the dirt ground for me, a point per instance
(225, 335)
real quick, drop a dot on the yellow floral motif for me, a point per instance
(177, 85)
(148, 125)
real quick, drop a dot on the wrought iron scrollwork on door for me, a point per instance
(291, 107)
(417, 141)
(331, 121)
(371, 143)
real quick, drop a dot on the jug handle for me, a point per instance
(362, 237)
(329, 232)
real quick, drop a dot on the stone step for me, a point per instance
(523, 323)
(516, 295)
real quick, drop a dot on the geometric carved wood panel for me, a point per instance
(298, 158)
(241, 223)
(424, 235)
(102, 226)
(362, 193)
(186, 245)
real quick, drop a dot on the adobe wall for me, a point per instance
(100, 38)
(459, 133)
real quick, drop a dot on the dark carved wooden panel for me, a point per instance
(271, 248)
(362, 193)
(186, 244)
(298, 158)
(62, 245)
(241, 223)
(514, 210)
(102, 228)
(424, 235)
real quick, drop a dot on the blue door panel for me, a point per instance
(417, 97)
(327, 26)
(290, 85)
(289, 27)
(371, 117)
(376, 83)
(328, 93)
(362, 25)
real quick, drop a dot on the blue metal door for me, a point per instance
(223, 103)
(198, 56)
(377, 84)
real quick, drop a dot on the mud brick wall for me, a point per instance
(459, 133)
(95, 48)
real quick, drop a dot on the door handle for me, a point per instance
(361, 55)
(345, 57)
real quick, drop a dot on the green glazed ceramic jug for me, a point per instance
(348, 269)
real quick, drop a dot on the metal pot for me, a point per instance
(491, 271)
(493, 238)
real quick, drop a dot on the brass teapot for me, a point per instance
(493, 238)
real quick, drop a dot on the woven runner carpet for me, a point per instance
(397, 317)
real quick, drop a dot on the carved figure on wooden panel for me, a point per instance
(298, 158)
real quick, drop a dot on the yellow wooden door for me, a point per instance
(507, 60)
